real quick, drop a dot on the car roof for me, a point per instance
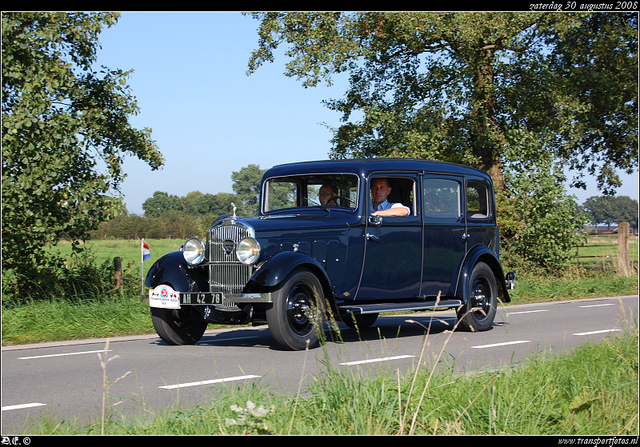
(365, 166)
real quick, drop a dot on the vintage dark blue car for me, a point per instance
(342, 239)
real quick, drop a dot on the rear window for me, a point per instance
(441, 198)
(478, 205)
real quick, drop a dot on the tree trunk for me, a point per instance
(486, 137)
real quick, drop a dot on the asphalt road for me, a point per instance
(65, 379)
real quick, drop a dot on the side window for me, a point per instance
(400, 190)
(441, 198)
(478, 205)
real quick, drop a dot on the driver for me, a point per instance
(380, 190)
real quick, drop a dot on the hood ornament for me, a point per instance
(234, 209)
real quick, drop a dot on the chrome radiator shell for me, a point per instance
(226, 273)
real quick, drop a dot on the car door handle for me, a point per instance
(376, 220)
(371, 237)
(465, 236)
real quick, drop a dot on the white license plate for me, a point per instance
(201, 298)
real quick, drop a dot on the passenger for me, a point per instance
(328, 195)
(380, 190)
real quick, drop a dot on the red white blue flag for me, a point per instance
(146, 254)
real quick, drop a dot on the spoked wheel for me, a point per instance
(178, 326)
(480, 310)
(298, 310)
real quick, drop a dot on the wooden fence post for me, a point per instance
(117, 267)
(623, 249)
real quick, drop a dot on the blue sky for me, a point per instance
(208, 117)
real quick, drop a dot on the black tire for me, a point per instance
(480, 309)
(178, 326)
(362, 321)
(298, 311)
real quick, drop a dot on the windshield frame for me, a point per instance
(307, 191)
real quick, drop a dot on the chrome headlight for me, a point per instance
(193, 251)
(248, 251)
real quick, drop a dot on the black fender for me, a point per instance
(274, 271)
(480, 253)
(172, 269)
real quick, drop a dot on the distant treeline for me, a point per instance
(168, 225)
(172, 217)
(167, 216)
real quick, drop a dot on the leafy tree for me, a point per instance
(626, 210)
(455, 86)
(543, 225)
(65, 133)
(596, 65)
(246, 186)
(194, 203)
(492, 90)
(610, 210)
(161, 202)
(599, 209)
(216, 204)
(191, 203)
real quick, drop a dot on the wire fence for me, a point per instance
(602, 252)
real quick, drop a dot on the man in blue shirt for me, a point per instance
(380, 190)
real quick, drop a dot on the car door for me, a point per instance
(445, 236)
(393, 246)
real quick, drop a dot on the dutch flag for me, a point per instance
(146, 254)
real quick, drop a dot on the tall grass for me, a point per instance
(59, 319)
(572, 284)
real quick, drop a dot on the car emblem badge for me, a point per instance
(228, 246)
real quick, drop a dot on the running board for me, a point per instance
(398, 307)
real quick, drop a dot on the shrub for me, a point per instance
(75, 278)
(539, 223)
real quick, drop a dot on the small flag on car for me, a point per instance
(146, 254)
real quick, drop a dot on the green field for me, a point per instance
(599, 254)
(601, 251)
(128, 250)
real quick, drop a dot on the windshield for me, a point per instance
(317, 190)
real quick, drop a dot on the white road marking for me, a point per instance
(22, 406)
(599, 305)
(495, 345)
(382, 359)
(61, 355)
(604, 331)
(527, 312)
(208, 382)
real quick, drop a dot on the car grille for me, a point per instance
(226, 273)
